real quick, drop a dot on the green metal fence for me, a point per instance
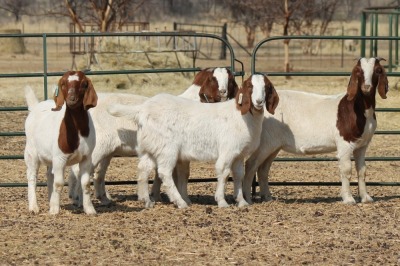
(45, 74)
(372, 16)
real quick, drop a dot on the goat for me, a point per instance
(172, 129)
(117, 136)
(307, 123)
(212, 85)
(60, 136)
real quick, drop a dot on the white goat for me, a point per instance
(117, 136)
(60, 136)
(172, 129)
(307, 123)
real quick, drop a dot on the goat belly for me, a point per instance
(315, 149)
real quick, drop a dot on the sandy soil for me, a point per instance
(302, 225)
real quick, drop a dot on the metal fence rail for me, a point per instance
(45, 74)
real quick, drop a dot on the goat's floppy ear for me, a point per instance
(90, 98)
(383, 83)
(58, 96)
(353, 82)
(243, 97)
(232, 86)
(272, 100)
(209, 92)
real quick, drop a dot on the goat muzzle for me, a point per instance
(366, 89)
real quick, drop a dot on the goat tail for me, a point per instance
(130, 112)
(30, 97)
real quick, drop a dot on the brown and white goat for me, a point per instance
(307, 123)
(60, 136)
(212, 85)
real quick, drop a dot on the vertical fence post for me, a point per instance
(363, 31)
(45, 65)
(223, 46)
(390, 43)
(396, 30)
(371, 33)
(376, 34)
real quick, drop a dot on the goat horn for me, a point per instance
(380, 58)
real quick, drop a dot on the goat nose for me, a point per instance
(223, 91)
(259, 101)
(366, 89)
(71, 94)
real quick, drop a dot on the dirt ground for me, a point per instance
(303, 224)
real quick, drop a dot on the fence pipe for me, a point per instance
(296, 37)
(127, 34)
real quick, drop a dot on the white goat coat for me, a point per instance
(115, 135)
(305, 123)
(312, 121)
(185, 126)
(42, 128)
(191, 93)
(173, 129)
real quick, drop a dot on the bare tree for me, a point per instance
(303, 17)
(245, 13)
(15, 7)
(108, 15)
(325, 11)
(288, 10)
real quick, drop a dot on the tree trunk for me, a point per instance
(73, 16)
(286, 42)
(251, 36)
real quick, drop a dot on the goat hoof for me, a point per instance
(266, 198)
(76, 202)
(243, 203)
(182, 205)
(149, 204)
(156, 197)
(223, 204)
(249, 201)
(349, 201)
(34, 209)
(367, 199)
(54, 210)
(90, 211)
(104, 201)
(188, 201)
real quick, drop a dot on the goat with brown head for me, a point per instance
(216, 85)
(248, 101)
(75, 89)
(368, 75)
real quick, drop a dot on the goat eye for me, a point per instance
(378, 70)
(84, 84)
